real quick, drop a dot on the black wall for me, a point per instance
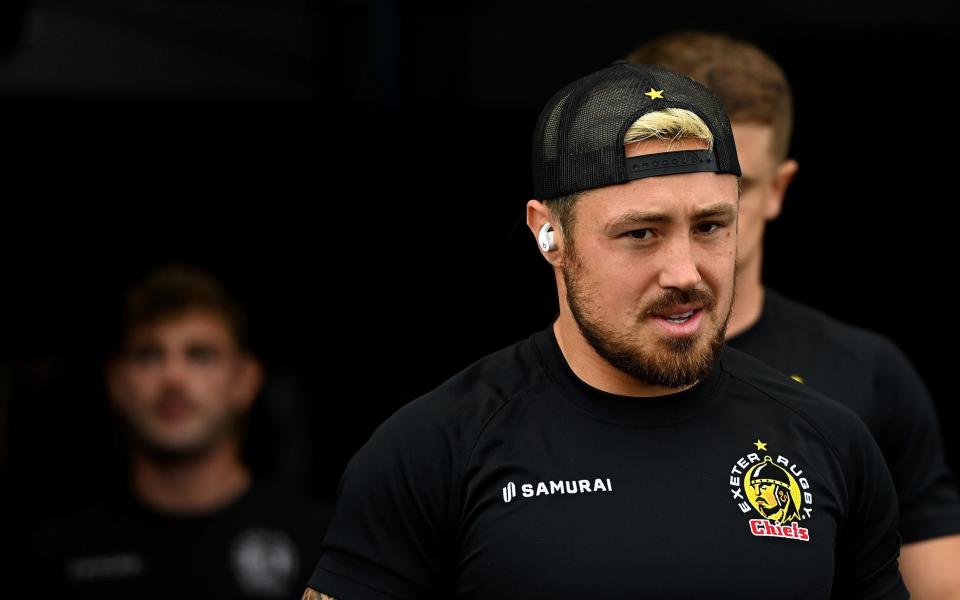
(356, 172)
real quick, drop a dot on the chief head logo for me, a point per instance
(773, 491)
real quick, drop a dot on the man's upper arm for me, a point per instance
(868, 545)
(912, 445)
(390, 531)
(930, 568)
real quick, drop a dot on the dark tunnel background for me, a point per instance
(356, 171)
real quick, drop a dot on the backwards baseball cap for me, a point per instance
(578, 141)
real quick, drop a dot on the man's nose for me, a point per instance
(174, 369)
(679, 269)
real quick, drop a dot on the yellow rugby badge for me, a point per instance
(774, 488)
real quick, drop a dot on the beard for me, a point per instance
(169, 447)
(672, 362)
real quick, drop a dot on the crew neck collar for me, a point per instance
(650, 411)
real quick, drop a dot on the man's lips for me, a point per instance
(679, 311)
(680, 321)
(174, 408)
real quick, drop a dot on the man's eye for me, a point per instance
(202, 354)
(708, 227)
(146, 356)
(641, 234)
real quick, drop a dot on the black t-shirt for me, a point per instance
(262, 545)
(867, 373)
(515, 479)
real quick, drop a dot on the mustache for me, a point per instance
(676, 297)
(176, 395)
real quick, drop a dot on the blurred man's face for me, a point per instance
(182, 384)
(650, 276)
(761, 196)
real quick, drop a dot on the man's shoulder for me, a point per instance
(101, 520)
(484, 385)
(287, 506)
(758, 382)
(795, 319)
(463, 404)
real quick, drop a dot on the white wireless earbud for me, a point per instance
(545, 238)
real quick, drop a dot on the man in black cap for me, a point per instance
(611, 454)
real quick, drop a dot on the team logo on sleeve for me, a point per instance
(772, 486)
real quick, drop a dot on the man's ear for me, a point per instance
(249, 380)
(537, 216)
(781, 181)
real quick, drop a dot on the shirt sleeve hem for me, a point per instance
(342, 587)
(925, 528)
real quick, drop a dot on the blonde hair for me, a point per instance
(669, 125)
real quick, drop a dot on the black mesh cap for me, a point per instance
(578, 142)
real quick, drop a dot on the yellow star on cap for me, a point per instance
(654, 94)
(797, 378)
(760, 445)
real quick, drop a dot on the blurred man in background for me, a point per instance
(856, 367)
(194, 522)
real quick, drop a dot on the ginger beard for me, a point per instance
(673, 362)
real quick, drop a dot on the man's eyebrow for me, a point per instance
(716, 210)
(638, 217)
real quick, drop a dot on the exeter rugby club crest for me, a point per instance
(773, 490)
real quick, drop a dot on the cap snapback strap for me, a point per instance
(670, 163)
